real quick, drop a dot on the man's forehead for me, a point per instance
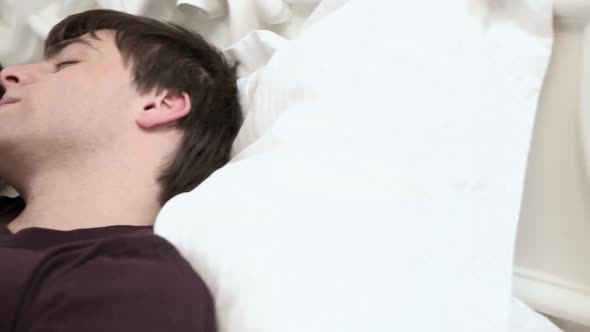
(93, 42)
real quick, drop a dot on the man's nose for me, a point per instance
(15, 76)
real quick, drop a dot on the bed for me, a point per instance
(452, 276)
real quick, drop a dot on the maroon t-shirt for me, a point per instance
(115, 278)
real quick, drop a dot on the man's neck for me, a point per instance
(66, 204)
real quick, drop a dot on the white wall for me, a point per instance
(552, 260)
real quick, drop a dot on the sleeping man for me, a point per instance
(122, 114)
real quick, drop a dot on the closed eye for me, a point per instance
(63, 64)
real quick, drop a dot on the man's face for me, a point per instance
(79, 101)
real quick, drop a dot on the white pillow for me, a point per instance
(379, 187)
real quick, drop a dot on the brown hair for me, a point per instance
(164, 55)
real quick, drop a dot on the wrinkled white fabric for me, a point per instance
(25, 24)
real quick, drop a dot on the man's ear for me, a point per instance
(163, 109)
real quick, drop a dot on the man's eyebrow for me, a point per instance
(54, 50)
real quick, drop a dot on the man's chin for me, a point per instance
(7, 106)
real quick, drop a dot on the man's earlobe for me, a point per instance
(164, 109)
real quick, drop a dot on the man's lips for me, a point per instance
(8, 100)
